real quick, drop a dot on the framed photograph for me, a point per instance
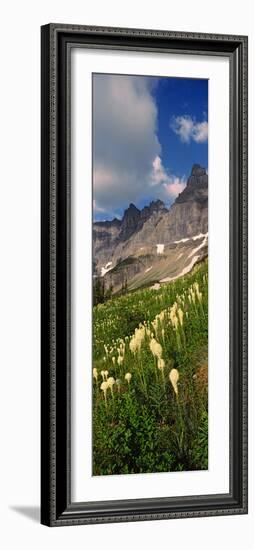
(144, 275)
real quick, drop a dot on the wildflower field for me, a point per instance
(150, 379)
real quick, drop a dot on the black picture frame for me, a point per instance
(56, 506)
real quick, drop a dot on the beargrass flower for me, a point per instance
(155, 348)
(111, 382)
(174, 377)
(180, 316)
(161, 364)
(137, 339)
(104, 387)
(173, 315)
(128, 377)
(121, 350)
(95, 373)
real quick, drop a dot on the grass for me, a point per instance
(145, 421)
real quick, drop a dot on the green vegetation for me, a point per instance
(150, 399)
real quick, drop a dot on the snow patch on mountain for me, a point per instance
(160, 248)
(182, 241)
(106, 268)
(198, 247)
(199, 236)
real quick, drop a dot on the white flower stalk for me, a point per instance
(120, 360)
(103, 375)
(95, 373)
(137, 339)
(122, 349)
(104, 388)
(199, 296)
(197, 291)
(155, 325)
(180, 299)
(161, 316)
(111, 382)
(113, 360)
(161, 364)
(173, 315)
(174, 377)
(133, 345)
(155, 348)
(128, 377)
(106, 374)
(180, 316)
(106, 349)
(158, 321)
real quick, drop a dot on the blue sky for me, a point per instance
(147, 134)
(181, 97)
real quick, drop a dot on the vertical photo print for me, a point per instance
(150, 274)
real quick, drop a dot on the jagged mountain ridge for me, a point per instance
(132, 221)
(146, 238)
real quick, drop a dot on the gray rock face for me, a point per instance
(130, 222)
(130, 244)
(196, 188)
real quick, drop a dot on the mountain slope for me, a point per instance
(155, 243)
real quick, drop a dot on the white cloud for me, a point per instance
(188, 129)
(127, 163)
(174, 187)
(171, 184)
(97, 208)
(200, 132)
(124, 138)
(158, 174)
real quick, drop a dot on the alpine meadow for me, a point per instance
(150, 275)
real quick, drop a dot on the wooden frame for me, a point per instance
(56, 506)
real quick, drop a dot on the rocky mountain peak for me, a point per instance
(154, 207)
(130, 221)
(197, 170)
(129, 246)
(131, 212)
(197, 186)
(108, 223)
